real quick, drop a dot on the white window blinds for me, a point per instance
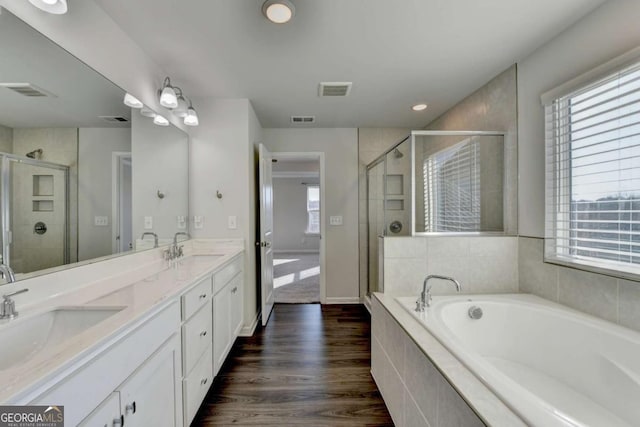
(313, 209)
(593, 172)
(452, 188)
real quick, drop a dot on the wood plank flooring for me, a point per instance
(309, 366)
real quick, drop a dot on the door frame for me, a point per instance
(117, 159)
(314, 156)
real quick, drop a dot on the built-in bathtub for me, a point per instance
(551, 365)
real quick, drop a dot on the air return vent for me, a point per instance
(114, 119)
(27, 89)
(334, 88)
(303, 120)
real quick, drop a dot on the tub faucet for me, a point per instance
(425, 296)
(7, 273)
(150, 233)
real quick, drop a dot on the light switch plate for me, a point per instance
(198, 222)
(335, 220)
(148, 222)
(232, 222)
(182, 222)
(101, 221)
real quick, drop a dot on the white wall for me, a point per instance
(6, 139)
(609, 31)
(95, 146)
(290, 216)
(160, 159)
(341, 192)
(222, 158)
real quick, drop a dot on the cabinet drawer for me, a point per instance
(196, 336)
(196, 298)
(196, 385)
(223, 276)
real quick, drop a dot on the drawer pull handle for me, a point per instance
(130, 408)
(203, 296)
(203, 333)
(204, 381)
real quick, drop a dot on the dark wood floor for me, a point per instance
(309, 366)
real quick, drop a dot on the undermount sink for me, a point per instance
(23, 338)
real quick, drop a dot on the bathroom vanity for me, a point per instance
(140, 346)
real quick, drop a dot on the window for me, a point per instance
(452, 188)
(593, 174)
(313, 209)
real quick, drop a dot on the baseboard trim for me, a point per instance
(296, 251)
(248, 330)
(343, 300)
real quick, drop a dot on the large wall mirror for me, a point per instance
(82, 175)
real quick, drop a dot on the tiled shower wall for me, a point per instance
(609, 298)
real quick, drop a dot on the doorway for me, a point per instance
(297, 222)
(121, 193)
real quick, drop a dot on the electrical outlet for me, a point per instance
(335, 220)
(101, 221)
(232, 222)
(182, 222)
(148, 222)
(198, 222)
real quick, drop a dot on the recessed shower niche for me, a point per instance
(43, 185)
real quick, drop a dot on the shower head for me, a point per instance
(397, 154)
(35, 154)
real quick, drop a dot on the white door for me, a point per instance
(266, 232)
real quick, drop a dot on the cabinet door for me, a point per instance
(221, 326)
(237, 305)
(149, 396)
(105, 415)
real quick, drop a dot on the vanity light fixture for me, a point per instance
(419, 107)
(278, 11)
(147, 112)
(168, 97)
(192, 117)
(182, 109)
(132, 101)
(160, 120)
(56, 7)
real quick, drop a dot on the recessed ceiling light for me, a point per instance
(419, 107)
(57, 7)
(278, 11)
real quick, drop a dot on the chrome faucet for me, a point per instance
(155, 237)
(425, 296)
(8, 307)
(7, 273)
(174, 250)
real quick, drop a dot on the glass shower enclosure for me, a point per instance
(34, 210)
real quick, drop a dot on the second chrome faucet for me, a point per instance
(425, 295)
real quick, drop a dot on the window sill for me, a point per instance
(308, 233)
(620, 271)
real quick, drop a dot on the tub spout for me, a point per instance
(425, 296)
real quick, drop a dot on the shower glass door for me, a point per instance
(35, 214)
(375, 222)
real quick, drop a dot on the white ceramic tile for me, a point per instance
(422, 382)
(448, 246)
(455, 267)
(492, 274)
(592, 293)
(395, 344)
(377, 361)
(535, 276)
(453, 411)
(394, 395)
(412, 416)
(493, 246)
(405, 247)
(404, 276)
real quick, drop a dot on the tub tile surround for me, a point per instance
(142, 283)
(482, 264)
(615, 300)
(417, 389)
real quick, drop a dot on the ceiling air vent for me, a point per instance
(334, 88)
(303, 120)
(114, 119)
(27, 89)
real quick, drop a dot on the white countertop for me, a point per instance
(149, 289)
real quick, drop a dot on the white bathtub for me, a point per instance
(553, 366)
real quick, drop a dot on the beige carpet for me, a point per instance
(296, 277)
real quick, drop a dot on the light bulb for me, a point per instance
(160, 121)
(278, 11)
(57, 7)
(168, 98)
(132, 101)
(192, 118)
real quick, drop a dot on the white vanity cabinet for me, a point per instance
(142, 366)
(227, 310)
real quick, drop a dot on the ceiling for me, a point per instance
(396, 53)
(81, 95)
